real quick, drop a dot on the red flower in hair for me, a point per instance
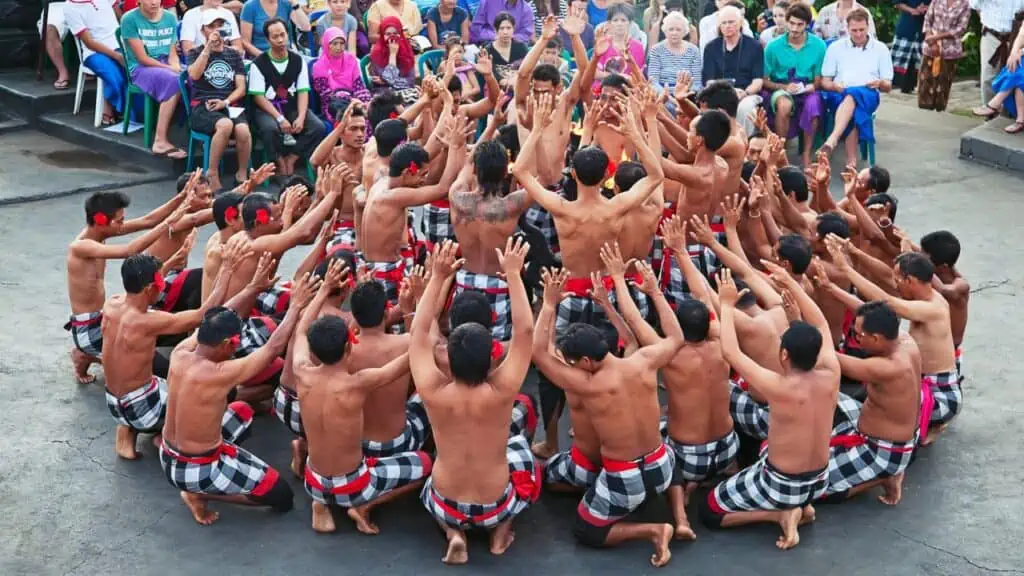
(597, 90)
(352, 337)
(413, 168)
(231, 213)
(496, 350)
(393, 116)
(262, 216)
(621, 344)
(100, 219)
(159, 282)
(610, 170)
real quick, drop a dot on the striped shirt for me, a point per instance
(538, 20)
(663, 66)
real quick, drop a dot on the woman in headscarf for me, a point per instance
(336, 76)
(392, 63)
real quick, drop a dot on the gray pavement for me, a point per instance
(71, 507)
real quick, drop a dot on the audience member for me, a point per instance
(192, 26)
(673, 55)
(906, 43)
(708, 27)
(95, 25)
(831, 21)
(738, 59)
(56, 29)
(944, 26)
(446, 20)
(256, 13)
(611, 50)
(405, 11)
(505, 51)
(392, 62)
(338, 16)
(485, 21)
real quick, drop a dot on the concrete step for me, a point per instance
(988, 144)
(23, 96)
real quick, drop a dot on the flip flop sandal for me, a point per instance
(173, 154)
(990, 114)
(1014, 128)
(61, 85)
(108, 120)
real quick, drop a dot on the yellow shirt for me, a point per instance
(409, 14)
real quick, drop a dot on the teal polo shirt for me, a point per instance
(780, 58)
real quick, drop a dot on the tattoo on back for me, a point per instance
(470, 206)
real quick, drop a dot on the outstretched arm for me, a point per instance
(766, 382)
(425, 373)
(701, 230)
(564, 376)
(808, 309)
(509, 375)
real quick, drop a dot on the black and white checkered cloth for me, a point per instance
(287, 410)
(762, 487)
(374, 478)
(524, 417)
(256, 331)
(905, 52)
(622, 487)
(390, 275)
(87, 333)
(543, 221)
(343, 238)
(571, 467)
(947, 394)
(698, 462)
(141, 409)
(274, 301)
(496, 291)
(581, 308)
(437, 223)
(856, 458)
(412, 437)
(749, 416)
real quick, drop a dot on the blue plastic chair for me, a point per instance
(430, 59)
(314, 46)
(149, 103)
(867, 149)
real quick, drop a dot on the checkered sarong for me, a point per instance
(571, 467)
(523, 489)
(496, 291)
(141, 409)
(762, 487)
(947, 395)
(390, 275)
(524, 417)
(749, 416)
(343, 236)
(906, 53)
(698, 462)
(959, 364)
(437, 222)
(622, 487)
(543, 221)
(374, 478)
(673, 282)
(412, 437)
(578, 307)
(274, 302)
(847, 414)
(228, 469)
(256, 331)
(856, 458)
(286, 408)
(173, 284)
(86, 332)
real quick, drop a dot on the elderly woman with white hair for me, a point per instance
(674, 55)
(737, 59)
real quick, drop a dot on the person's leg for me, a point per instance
(658, 534)
(161, 144)
(844, 114)
(312, 133)
(783, 114)
(805, 154)
(243, 147)
(55, 50)
(988, 46)
(221, 134)
(852, 146)
(270, 135)
(1018, 100)
(747, 107)
(552, 402)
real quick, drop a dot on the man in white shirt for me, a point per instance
(707, 29)
(94, 23)
(192, 26)
(857, 68)
(996, 25)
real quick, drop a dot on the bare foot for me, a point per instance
(542, 450)
(502, 537)
(807, 515)
(323, 521)
(197, 505)
(240, 177)
(662, 554)
(298, 457)
(456, 553)
(684, 532)
(213, 180)
(789, 520)
(361, 517)
(893, 487)
(81, 361)
(933, 434)
(124, 442)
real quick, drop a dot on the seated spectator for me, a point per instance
(611, 52)
(1008, 87)
(654, 18)
(779, 28)
(446, 20)
(506, 52)
(465, 71)
(170, 5)
(831, 22)
(338, 16)
(673, 55)
(336, 76)
(215, 91)
(256, 13)
(597, 11)
(392, 62)
(279, 86)
(944, 27)
(708, 26)
(739, 60)
(95, 25)
(192, 26)
(484, 28)
(405, 11)
(359, 10)
(552, 56)
(792, 65)
(856, 69)
(56, 28)
(587, 36)
(149, 36)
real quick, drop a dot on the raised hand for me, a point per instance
(602, 41)
(732, 209)
(417, 281)
(549, 28)
(611, 256)
(574, 23)
(514, 256)
(598, 293)
(484, 64)
(700, 230)
(838, 249)
(683, 83)
(554, 282)
(235, 251)
(445, 261)
(760, 120)
(327, 231)
(820, 276)
(757, 194)
(649, 284)
(823, 173)
(673, 231)
(336, 271)
(790, 306)
(303, 291)
(264, 277)
(727, 293)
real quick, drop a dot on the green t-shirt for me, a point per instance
(780, 58)
(158, 37)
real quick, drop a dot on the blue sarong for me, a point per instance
(866, 101)
(1007, 81)
(113, 76)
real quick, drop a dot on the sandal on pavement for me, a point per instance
(172, 153)
(1015, 127)
(61, 85)
(985, 111)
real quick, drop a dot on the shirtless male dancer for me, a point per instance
(345, 144)
(334, 391)
(620, 397)
(227, 216)
(484, 474)
(199, 454)
(873, 444)
(793, 471)
(87, 263)
(943, 248)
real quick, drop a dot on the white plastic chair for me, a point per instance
(97, 119)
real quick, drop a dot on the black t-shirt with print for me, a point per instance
(218, 80)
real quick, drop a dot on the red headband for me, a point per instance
(621, 344)
(235, 340)
(610, 170)
(230, 213)
(393, 116)
(413, 168)
(159, 282)
(496, 350)
(352, 337)
(262, 216)
(100, 219)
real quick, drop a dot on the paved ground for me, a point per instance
(71, 507)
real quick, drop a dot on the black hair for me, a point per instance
(502, 17)
(405, 156)
(917, 265)
(582, 341)
(614, 80)
(796, 250)
(748, 299)
(858, 14)
(758, 133)
(219, 324)
(382, 106)
(251, 206)
(470, 306)
(182, 181)
(878, 179)
(547, 73)
(620, 10)
(508, 136)
(832, 223)
(794, 182)
(554, 43)
(469, 353)
(695, 320)
(799, 11)
(803, 343)
(390, 134)
(107, 203)
(590, 164)
(327, 337)
(611, 336)
(221, 203)
(942, 246)
(628, 174)
(884, 198)
(369, 304)
(490, 162)
(296, 180)
(270, 22)
(455, 85)
(720, 95)
(748, 170)
(320, 271)
(880, 319)
(138, 271)
(714, 127)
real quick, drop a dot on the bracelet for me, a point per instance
(280, 118)
(752, 215)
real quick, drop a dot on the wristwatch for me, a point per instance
(280, 118)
